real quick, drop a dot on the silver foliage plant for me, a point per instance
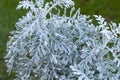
(54, 46)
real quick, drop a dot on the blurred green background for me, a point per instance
(109, 9)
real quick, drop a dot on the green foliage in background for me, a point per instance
(109, 9)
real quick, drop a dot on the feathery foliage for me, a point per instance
(51, 46)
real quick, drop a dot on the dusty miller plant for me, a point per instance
(54, 46)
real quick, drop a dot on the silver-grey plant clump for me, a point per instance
(48, 45)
